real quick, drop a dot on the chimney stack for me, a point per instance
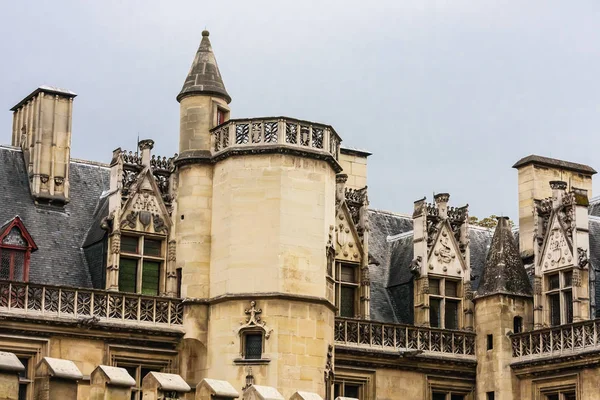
(42, 129)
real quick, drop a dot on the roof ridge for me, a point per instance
(380, 211)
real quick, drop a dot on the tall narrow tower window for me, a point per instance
(346, 282)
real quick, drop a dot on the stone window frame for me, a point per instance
(140, 257)
(216, 108)
(443, 298)
(339, 283)
(449, 386)
(365, 379)
(31, 348)
(564, 286)
(244, 333)
(142, 357)
(559, 384)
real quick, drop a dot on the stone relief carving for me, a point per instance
(444, 254)
(253, 319)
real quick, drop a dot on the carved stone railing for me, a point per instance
(557, 341)
(275, 131)
(28, 299)
(398, 338)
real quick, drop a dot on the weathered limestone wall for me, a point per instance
(271, 219)
(299, 334)
(193, 228)
(394, 384)
(534, 184)
(494, 315)
(196, 117)
(355, 166)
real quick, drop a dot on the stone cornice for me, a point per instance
(205, 157)
(263, 296)
(426, 363)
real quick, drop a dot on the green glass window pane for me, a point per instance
(150, 277)
(127, 275)
(152, 247)
(434, 312)
(347, 302)
(451, 315)
(129, 244)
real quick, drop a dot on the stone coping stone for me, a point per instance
(265, 392)
(219, 388)
(9, 362)
(116, 376)
(300, 395)
(170, 382)
(64, 369)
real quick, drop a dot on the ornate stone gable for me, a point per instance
(145, 210)
(557, 251)
(445, 257)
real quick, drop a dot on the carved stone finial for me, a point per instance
(146, 144)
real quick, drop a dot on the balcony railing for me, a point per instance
(556, 341)
(36, 300)
(275, 131)
(397, 338)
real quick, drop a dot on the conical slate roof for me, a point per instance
(504, 272)
(204, 76)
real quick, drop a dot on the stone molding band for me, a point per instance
(262, 296)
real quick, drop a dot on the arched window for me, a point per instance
(16, 246)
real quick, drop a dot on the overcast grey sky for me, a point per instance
(446, 94)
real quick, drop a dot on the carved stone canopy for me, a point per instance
(254, 320)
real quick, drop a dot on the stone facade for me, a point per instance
(250, 266)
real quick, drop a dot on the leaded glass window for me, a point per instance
(346, 289)
(444, 303)
(559, 297)
(253, 346)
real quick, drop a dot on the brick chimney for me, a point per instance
(42, 129)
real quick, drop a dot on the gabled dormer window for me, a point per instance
(16, 246)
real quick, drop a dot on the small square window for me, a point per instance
(152, 247)
(451, 289)
(434, 286)
(553, 282)
(348, 274)
(129, 244)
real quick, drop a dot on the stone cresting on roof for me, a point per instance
(553, 162)
(504, 272)
(204, 76)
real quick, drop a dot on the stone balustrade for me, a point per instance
(557, 341)
(28, 299)
(399, 337)
(275, 131)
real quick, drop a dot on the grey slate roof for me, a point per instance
(58, 232)
(504, 272)
(391, 279)
(204, 76)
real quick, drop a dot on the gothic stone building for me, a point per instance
(252, 256)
